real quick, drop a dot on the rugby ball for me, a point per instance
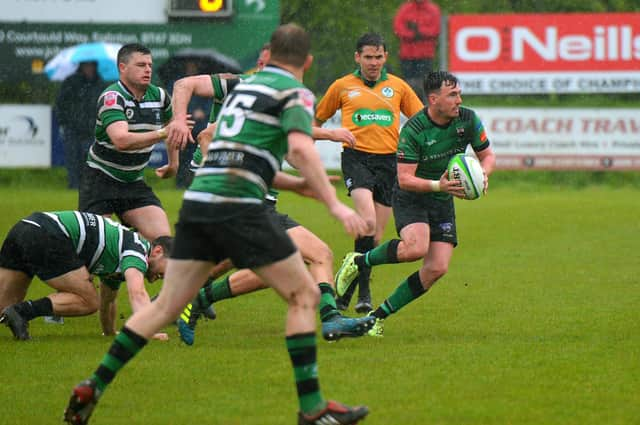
(468, 170)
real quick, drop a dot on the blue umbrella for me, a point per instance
(66, 62)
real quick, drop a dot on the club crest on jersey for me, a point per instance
(387, 92)
(129, 113)
(308, 99)
(110, 98)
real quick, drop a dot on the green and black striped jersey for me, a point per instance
(251, 138)
(117, 103)
(107, 248)
(431, 146)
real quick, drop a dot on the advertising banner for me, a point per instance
(25, 136)
(142, 11)
(26, 47)
(563, 138)
(546, 53)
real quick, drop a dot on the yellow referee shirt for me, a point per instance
(372, 114)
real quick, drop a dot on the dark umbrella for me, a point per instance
(207, 61)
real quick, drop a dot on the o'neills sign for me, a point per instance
(546, 53)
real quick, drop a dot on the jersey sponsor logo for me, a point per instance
(110, 98)
(387, 92)
(353, 93)
(431, 142)
(364, 117)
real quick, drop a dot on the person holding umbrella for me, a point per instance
(132, 114)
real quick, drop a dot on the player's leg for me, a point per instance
(238, 283)
(291, 279)
(13, 289)
(13, 286)
(76, 296)
(191, 260)
(150, 221)
(441, 236)
(365, 207)
(178, 288)
(319, 259)
(51, 256)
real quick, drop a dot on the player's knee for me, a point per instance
(305, 296)
(90, 303)
(321, 254)
(436, 271)
(415, 251)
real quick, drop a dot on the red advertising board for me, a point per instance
(548, 52)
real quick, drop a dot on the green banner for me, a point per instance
(25, 48)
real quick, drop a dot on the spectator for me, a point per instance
(417, 24)
(76, 112)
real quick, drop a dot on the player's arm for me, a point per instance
(125, 140)
(407, 180)
(178, 131)
(138, 296)
(297, 184)
(303, 153)
(487, 160)
(341, 135)
(107, 309)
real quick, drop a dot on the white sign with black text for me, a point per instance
(564, 138)
(25, 136)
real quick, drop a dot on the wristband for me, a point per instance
(435, 185)
(162, 133)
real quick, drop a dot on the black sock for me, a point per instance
(364, 245)
(36, 308)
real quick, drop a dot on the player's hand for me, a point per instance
(343, 135)
(453, 187)
(161, 336)
(354, 225)
(166, 172)
(179, 132)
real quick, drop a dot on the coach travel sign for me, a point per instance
(546, 53)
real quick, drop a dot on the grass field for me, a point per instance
(537, 322)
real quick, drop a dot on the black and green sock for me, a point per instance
(302, 350)
(409, 290)
(327, 308)
(126, 345)
(214, 291)
(387, 253)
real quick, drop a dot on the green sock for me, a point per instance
(126, 345)
(328, 309)
(386, 253)
(214, 291)
(409, 290)
(302, 350)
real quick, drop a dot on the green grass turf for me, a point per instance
(535, 323)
